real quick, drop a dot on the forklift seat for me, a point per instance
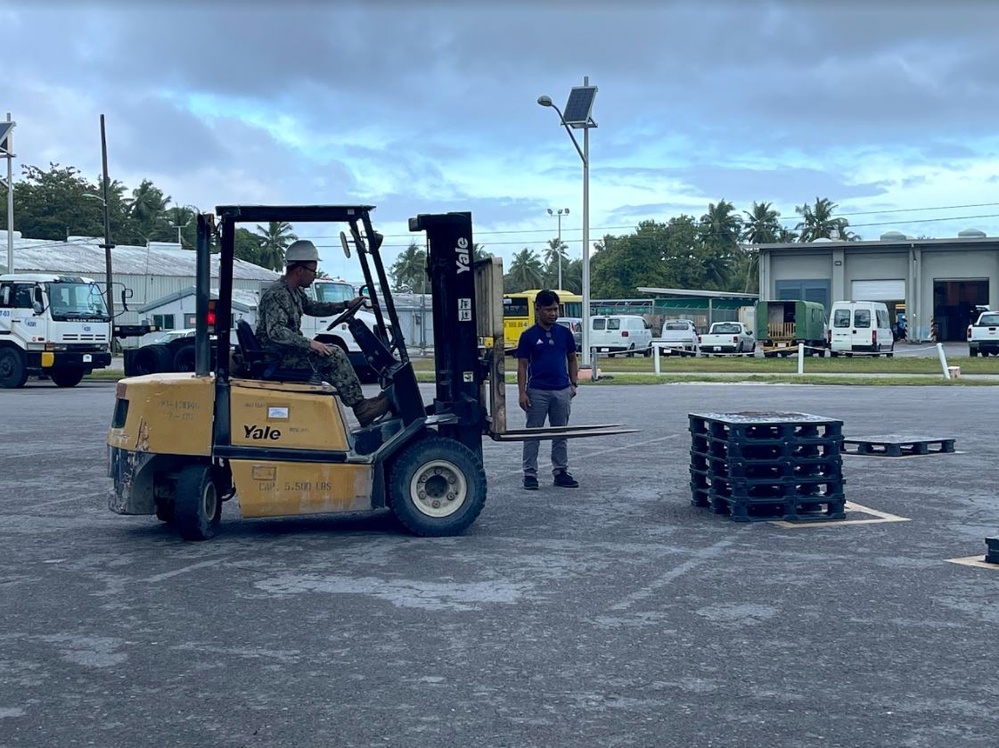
(263, 364)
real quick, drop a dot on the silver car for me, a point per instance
(575, 325)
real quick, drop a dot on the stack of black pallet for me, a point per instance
(767, 466)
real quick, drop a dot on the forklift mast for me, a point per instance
(456, 353)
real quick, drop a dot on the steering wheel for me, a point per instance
(352, 306)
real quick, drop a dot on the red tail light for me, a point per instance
(698, 339)
(829, 337)
(624, 333)
(874, 337)
(735, 339)
(969, 332)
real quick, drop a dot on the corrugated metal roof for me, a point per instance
(242, 299)
(83, 256)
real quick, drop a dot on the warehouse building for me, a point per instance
(935, 283)
(152, 276)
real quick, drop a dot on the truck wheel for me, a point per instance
(631, 351)
(183, 360)
(972, 352)
(197, 505)
(152, 359)
(437, 487)
(66, 377)
(13, 372)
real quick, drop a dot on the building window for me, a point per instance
(163, 321)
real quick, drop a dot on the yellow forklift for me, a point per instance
(279, 441)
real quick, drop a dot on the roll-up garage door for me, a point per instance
(877, 290)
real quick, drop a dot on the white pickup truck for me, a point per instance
(678, 338)
(983, 335)
(726, 337)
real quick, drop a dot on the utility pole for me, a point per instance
(107, 245)
(7, 150)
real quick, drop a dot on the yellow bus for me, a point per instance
(518, 312)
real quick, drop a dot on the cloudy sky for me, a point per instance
(887, 108)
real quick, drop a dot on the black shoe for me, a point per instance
(530, 483)
(564, 480)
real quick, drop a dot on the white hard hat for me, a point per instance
(301, 251)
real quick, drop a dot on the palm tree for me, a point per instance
(145, 211)
(525, 270)
(410, 269)
(761, 225)
(719, 230)
(274, 240)
(817, 222)
(721, 225)
(553, 254)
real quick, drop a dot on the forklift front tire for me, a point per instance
(197, 503)
(437, 487)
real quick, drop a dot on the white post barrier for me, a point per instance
(657, 351)
(943, 360)
(801, 358)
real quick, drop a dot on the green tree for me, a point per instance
(761, 225)
(186, 218)
(720, 229)
(626, 262)
(56, 203)
(274, 240)
(552, 254)
(409, 271)
(525, 271)
(247, 246)
(818, 222)
(147, 215)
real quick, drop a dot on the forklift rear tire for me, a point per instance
(437, 487)
(197, 504)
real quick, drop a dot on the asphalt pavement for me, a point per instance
(616, 614)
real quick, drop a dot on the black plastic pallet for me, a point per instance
(750, 491)
(829, 508)
(764, 426)
(760, 450)
(770, 470)
(897, 445)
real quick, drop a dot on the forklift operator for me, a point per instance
(279, 331)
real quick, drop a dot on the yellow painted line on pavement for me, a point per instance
(879, 517)
(978, 561)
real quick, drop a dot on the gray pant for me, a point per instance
(555, 406)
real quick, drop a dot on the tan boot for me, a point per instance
(372, 409)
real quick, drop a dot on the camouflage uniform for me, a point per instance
(279, 321)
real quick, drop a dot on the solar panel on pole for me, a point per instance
(579, 105)
(5, 128)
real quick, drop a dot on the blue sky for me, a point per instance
(886, 108)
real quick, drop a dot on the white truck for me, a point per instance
(315, 327)
(52, 325)
(983, 335)
(726, 337)
(678, 338)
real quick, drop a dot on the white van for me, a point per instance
(860, 327)
(621, 333)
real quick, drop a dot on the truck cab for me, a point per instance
(52, 325)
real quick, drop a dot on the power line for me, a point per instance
(782, 219)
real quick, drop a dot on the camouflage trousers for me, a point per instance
(335, 369)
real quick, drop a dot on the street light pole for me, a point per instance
(5, 144)
(561, 212)
(581, 119)
(107, 245)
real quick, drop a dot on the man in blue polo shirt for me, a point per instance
(547, 374)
